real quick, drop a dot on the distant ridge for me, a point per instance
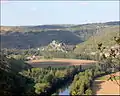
(23, 37)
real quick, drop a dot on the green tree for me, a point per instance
(88, 92)
(41, 87)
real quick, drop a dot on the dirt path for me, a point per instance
(104, 87)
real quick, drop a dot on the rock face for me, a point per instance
(58, 46)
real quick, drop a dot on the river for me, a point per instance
(64, 90)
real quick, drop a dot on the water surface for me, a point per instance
(65, 92)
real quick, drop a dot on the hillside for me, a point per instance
(36, 39)
(85, 31)
(69, 27)
(24, 37)
(105, 36)
(11, 82)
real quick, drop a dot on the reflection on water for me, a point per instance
(64, 90)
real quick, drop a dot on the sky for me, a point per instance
(20, 13)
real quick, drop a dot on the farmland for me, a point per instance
(59, 62)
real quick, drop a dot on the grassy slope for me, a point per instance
(105, 78)
(105, 36)
(117, 76)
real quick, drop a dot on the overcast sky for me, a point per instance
(58, 12)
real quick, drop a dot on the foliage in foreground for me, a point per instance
(82, 82)
(12, 83)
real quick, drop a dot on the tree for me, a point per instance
(41, 87)
(88, 92)
(112, 61)
(48, 78)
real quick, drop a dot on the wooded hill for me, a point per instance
(24, 37)
(105, 36)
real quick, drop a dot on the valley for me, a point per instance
(59, 59)
(58, 48)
